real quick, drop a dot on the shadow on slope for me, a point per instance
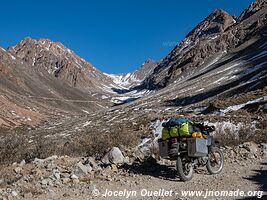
(235, 86)
(138, 88)
(254, 48)
(121, 91)
(260, 179)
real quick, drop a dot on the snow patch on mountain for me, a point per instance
(239, 106)
(124, 80)
(2, 49)
(130, 96)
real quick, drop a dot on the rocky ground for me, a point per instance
(134, 169)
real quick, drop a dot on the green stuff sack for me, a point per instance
(184, 130)
(165, 134)
(174, 131)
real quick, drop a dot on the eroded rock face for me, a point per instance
(252, 9)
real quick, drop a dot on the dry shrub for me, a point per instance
(15, 147)
(12, 148)
(15, 144)
(97, 144)
(226, 138)
(245, 134)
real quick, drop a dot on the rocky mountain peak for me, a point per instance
(215, 23)
(220, 12)
(252, 9)
(214, 36)
(42, 44)
(146, 69)
(147, 64)
(133, 79)
(59, 61)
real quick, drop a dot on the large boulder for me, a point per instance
(114, 156)
(146, 149)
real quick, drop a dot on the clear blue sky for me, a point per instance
(116, 36)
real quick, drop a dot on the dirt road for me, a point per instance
(159, 181)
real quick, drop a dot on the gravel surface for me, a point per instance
(247, 175)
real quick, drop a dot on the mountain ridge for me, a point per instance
(193, 51)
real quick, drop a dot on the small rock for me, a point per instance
(37, 173)
(28, 195)
(244, 152)
(232, 154)
(73, 176)
(91, 162)
(82, 169)
(251, 147)
(126, 160)
(22, 163)
(105, 159)
(56, 174)
(114, 168)
(65, 180)
(114, 156)
(14, 193)
(75, 181)
(54, 157)
(264, 146)
(38, 162)
(228, 148)
(18, 170)
(109, 179)
(98, 169)
(143, 153)
(92, 186)
(264, 154)
(57, 182)
(50, 166)
(44, 182)
(50, 183)
(65, 175)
